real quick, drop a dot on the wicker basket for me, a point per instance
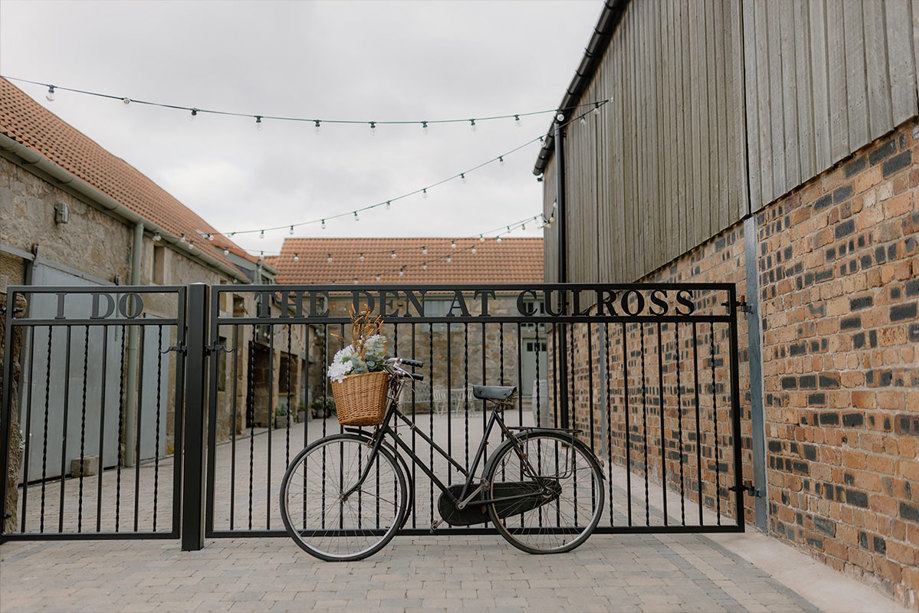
(360, 400)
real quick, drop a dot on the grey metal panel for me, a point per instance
(836, 81)
(804, 91)
(819, 84)
(774, 12)
(761, 42)
(902, 22)
(751, 65)
(876, 64)
(789, 89)
(856, 88)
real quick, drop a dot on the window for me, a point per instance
(159, 264)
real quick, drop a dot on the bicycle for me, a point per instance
(345, 496)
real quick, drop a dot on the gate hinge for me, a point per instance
(216, 348)
(748, 488)
(744, 307)
(177, 348)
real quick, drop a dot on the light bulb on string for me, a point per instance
(323, 223)
(373, 128)
(424, 127)
(499, 238)
(517, 121)
(261, 234)
(388, 205)
(523, 227)
(291, 230)
(473, 250)
(157, 237)
(424, 193)
(481, 238)
(583, 120)
(126, 100)
(449, 259)
(361, 257)
(193, 115)
(596, 108)
(50, 95)
(392, 254)
(296, 257)
(182, 238)
(452, 244)
(401, 272)
(463, 177)
(424, 250)
(210, 236)
(501, 159)
(329, 258)
(317, 126)
(424, 266)
(472, 124)
(226, 251)
(191, 245)
(258, 122)
(378, 277)
(355, 280)
(356, 218)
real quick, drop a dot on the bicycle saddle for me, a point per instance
(493, 392)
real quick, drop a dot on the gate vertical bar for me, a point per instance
(735, 409)
(193, 482)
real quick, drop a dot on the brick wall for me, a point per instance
(839, 277)
(839, 281)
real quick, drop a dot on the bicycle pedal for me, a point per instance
(436, 525)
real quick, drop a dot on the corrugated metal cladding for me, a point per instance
(720, 107)
(824, 78)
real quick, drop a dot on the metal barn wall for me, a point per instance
(718, 108)
(824, 78)
(661, 168)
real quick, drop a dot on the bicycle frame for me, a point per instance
(466, 495)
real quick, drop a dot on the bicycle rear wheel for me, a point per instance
(324, 523)
(567, 492)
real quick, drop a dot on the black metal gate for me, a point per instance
(96, 391)
(117, 387)
(649, 373)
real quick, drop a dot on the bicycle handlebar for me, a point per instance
(395, 363)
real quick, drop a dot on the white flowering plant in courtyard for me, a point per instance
(366, 352)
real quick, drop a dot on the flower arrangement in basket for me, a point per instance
(359, 382)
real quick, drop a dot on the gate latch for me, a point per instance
(748, 488)
(176, 348)
(216, 348)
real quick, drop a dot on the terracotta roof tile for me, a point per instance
(513, 260)
(30, 124)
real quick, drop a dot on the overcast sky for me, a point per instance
(368, 61)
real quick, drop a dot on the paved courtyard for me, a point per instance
(732, 572)
(482, 573)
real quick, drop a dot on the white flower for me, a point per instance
(341, 364)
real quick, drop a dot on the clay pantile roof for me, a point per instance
(30, 124)
(513, 260)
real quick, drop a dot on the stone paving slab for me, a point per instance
(648, 573)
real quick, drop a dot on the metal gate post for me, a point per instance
(195, 402)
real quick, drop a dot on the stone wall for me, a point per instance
(91, 241)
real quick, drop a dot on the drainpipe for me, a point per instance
(562, 268)
(130, 418)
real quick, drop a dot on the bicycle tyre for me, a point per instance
(563, 522)
(342, 530)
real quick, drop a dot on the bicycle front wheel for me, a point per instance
(321, 519)
(554, 491)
